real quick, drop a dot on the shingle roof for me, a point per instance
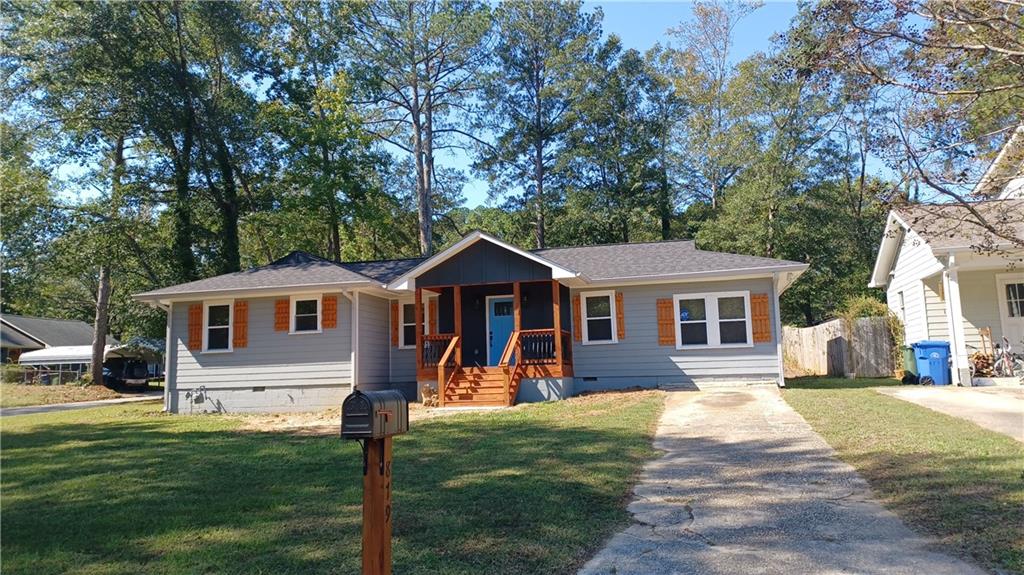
(12, 338)
(384, 271)
(295, 269)
(53, 332)
(654, 259)
(946, 226)
(599, 263)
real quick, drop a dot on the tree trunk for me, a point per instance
(665, 205)
(231, 260)
(423, 198)
(99, 333)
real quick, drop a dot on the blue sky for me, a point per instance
(641, 25)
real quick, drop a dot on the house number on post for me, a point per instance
(374, 417)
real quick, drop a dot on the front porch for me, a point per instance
(477, 342)
(974, 304)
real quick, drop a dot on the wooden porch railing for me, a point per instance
(442, 364)
(539, 347)
(434, 346)
(512, 369)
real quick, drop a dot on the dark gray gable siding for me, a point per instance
(484, 262)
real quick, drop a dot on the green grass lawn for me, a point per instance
(126, 489)
(943, 475)
(20, 395)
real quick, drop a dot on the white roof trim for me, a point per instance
(408, 280)
(265, 291)
(892, 239)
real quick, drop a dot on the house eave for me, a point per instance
(265, 291)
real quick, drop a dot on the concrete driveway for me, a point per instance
(1000, 409)
(745, 486)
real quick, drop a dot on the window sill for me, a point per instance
(600, 342)
(721, 346)
(305, 332)
(229, 350)
(406, 347)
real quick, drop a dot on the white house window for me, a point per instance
(598, 314)
(693, 322)
(713, 320)
(407, 323)
(217, 326)
(1015, 300)
(408, 326)
(305, 314)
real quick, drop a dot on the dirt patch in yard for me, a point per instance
(328, 422)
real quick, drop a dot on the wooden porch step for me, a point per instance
(487, 370)
(475, 398)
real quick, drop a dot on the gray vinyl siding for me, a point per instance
(935, 309)
(374, 340)
(403, 365)
(637, 359)
(271, 358)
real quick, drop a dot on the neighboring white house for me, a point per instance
(949, 278)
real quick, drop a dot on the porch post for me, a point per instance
(457, 304)
(955, 318)
(556, 303)
(419, 328)
(516, 306)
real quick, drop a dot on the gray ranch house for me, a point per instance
(493, 323)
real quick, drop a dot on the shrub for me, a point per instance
(867, 306)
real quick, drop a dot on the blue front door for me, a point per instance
(500, 322)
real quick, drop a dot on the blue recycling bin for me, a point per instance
(932, 358)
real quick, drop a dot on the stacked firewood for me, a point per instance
(982, 363)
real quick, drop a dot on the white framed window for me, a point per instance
(407, 323)
(306, 314)
(705, 320)
(218, 325)
(598, 309)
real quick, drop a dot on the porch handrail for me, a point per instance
(511, 374)
(425, 358)
(442, 380)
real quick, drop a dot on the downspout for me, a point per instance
(778, 330)
(353, 299)
(167, 356)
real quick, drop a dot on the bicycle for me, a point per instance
(1006, 363)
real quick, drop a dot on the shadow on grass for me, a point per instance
(839, 382)
(518, 492)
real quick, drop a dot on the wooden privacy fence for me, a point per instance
(863, 349)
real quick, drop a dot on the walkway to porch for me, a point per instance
(456, 349)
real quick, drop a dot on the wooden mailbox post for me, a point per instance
(373, 418)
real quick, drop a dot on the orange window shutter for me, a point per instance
(432, 315)
(240, 330)
(760, 316)
(281, 315)
(666, 327)
(620, 317)
(577, 319)
(330, 311)
(394, 324)
(195, 326)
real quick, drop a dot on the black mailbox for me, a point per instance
(374, 414)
